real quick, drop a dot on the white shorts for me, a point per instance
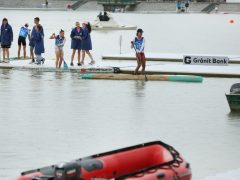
(59, 49)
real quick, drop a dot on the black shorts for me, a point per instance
(21, 40)
(5, 46)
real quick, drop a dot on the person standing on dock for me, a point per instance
(178, 6)
(76, 36)
(86, 42)
(139, 44)
(186, 6)
(6, 38)
(59, 43)
(39, 44)
(32, 41)
(23, 34)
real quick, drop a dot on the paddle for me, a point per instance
(138, 59)
(65, 66)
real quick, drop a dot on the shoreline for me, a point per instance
(126, 12)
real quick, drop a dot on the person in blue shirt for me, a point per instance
(59, 43)
(39, 44)
(6, 38)
(86, 42)
(76, 42)
(32, 38)
(139, 45)
(23, 34)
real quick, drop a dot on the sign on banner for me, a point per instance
(206, 60)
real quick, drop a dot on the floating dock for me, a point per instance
(175, 78)
(164, 57)
(128, 67)
(76, 69)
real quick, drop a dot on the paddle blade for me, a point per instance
(65, 66)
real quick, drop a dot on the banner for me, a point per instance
(206, 60)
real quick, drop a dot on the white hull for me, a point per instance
(110, 25)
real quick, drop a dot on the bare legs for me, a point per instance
(19, 49)
(73, 54)
(24, 52)
(59, 59)
(5, 53)
(141, 61)
(31, 53)
(89, 54)
(79, 56)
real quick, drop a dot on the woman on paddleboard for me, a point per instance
(86, 42)
(139, 44)
(76, 42)
(59, 43)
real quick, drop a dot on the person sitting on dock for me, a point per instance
(6, 38)
(59, 43)
(23, 34)
(139, 44)
(103, 17)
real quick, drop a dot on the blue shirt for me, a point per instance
(139, 44)
(59, 41)
(24, 32)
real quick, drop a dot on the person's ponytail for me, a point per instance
(89, 27)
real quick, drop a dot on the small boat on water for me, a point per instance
(106, 22)
(233, 97)
(150, 161)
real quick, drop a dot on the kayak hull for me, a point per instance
(233, 101)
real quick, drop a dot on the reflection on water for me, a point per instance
(140, 87)
(234, 116)
(5, 73)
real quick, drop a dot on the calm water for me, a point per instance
(47, 118)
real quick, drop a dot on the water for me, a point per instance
(46, 118)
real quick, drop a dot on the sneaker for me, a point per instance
(38, 62)
(71, 64)
(92, 63)
(32, 61)
(6, 61)
(79, 64)
(43, 60)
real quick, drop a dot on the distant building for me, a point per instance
(233, 1)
